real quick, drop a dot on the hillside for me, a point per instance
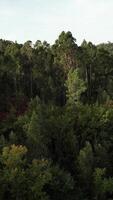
(56, 120)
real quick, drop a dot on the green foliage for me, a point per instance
(86, 160)
(102, 185)
(56, 120)
(61, 185)
(13, 172)
(75, 87)
(65, 50)
(40, 175)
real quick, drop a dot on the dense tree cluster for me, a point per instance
(56, 120)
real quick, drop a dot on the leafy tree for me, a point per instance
(75, 87)
(40, 176)
(103, 186)
(13, 172)
(65, 50)
(61, 185)
(86, 162)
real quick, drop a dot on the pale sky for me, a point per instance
(22, 20)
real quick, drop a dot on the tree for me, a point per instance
(40, 176)
(85, 163)
(27, 65)
(35, 130)
(13, 172)
(65, 50)
(75, 87)
(103, 186)
(61, 184)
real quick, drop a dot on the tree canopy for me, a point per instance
(56, 120)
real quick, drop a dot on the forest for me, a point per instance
(56, 120)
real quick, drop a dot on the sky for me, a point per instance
(22, 20)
